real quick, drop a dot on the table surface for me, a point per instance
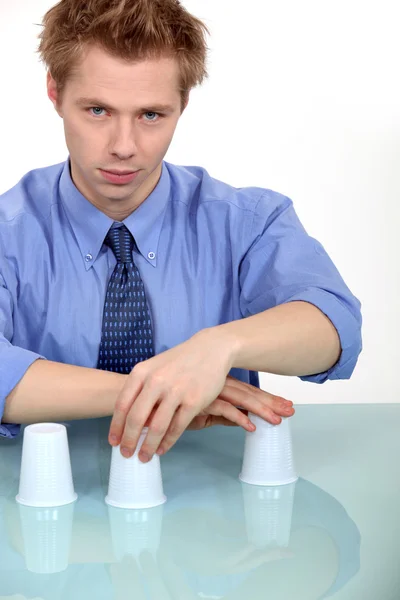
(334, 533)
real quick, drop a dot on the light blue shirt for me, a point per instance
(208, 253)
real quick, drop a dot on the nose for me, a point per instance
(123, 143)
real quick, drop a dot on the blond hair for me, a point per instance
(131, 30)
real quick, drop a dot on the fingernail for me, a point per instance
(113, 439)
(126, 452)
(160, 451)
(144, 457)
(251, 426)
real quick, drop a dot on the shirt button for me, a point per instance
(151, 255)
(88, 257)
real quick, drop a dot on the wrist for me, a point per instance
(222, 340)
(117, 383)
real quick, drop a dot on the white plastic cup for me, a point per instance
(47, 537)
(133, 484)
(46, 476)
(135, 531)
(268, 514)
(268, 455)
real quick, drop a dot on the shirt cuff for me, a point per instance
(347, 326)
(14, 362)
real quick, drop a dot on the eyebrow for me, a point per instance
(86, 101)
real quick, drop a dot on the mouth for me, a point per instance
(115, 172)
(119, 177)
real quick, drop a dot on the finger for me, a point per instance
(183, 416)
(252, 404)
(278, 404)
(126, 398)
(241, 386)
(231, 413)
(268, 407)
(221, 413)
(158, 428)
(205, 421)
(136, 419)
(150, 417)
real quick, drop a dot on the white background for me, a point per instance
(303, 98)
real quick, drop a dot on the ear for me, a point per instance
(53, 93)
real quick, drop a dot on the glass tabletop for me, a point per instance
(334, 533)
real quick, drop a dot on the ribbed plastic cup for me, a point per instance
(134, 484)
(268, 455)
(268, 514)
(47, 537)
(46, 476)
(135, 531)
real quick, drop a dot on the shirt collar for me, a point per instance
(90, 225)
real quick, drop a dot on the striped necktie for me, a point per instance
(127, 336)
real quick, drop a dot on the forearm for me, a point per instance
(52, 391)
(291, 339)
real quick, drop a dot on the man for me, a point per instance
(155, 293)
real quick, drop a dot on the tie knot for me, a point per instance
(121, 242)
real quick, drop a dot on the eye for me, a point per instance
(153, 114)
(96, 108)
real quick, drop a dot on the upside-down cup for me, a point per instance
(134, 484)
(46, 475)
(47, 537)
(268, 455)
(268, 514)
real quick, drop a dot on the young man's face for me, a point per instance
(128, 127)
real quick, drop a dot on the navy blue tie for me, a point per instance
(127, 336)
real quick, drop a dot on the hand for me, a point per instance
(250, 399)
(172, 388)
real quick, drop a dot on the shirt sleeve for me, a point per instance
(14, 361)
(282, 263)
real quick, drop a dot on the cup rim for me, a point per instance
(45, 428)
(43, 504)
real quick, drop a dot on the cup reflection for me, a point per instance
(134, 531)
(46, 535)
(268, 514)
